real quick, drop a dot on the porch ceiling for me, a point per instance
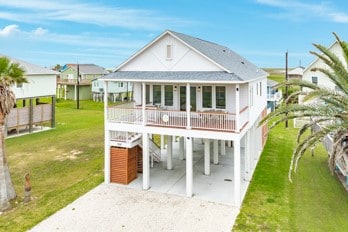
(177, 76)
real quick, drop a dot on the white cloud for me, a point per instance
(9, 30)
(39, 31)
(297, 10)
(89, 13)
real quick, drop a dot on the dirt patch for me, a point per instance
(72, 155)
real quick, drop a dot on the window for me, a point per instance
(147, 94)
(168, 95)
(260, 88)
(220, 97)
(19, 85)
(156, 93)
(315, 80)
(207, 96)
(120, 84)
(169, 52)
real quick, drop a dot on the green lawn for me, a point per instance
(315, 201)
(64, 163)
(67, 162)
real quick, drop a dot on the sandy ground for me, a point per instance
(117, 208)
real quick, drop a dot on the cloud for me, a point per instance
(296, 10)
(39, 31)
(9, 30)
(88, 13)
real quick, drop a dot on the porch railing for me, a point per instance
(178, 119)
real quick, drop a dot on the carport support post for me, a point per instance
(237, 177)
(206, 157)
(189, 168)
(247, 155)
(223, 147)
(146, 162)
(216, 151)
(169, 152)
(181, 148)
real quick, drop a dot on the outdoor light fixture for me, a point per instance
(199, 88)
(174, 87)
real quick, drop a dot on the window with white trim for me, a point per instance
(207, 96)
(220, 94)
(169, 52)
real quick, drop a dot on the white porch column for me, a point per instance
(189, 168)
(216, 151)
(162, 142)
(181, 148)
(237, 109)
(107, 141)
(169, 152)
(247, 156)
(146, 162)
(223, 147)
(75, 93)
(144, 103)
(188, 107)
(206, 157)
(237, 177)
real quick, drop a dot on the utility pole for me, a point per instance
(286, 87)
(78, 87)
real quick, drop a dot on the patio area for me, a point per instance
(216, 187)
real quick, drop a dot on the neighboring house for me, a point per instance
(317, 77)
(41, 84)
(118, 91)
(188, 89)
(67, 83)
(296, 72)
(322, 80)
(274, 95)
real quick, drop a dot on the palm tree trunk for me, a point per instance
(7, 191)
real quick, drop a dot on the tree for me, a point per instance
(325, 107)
(10, 73)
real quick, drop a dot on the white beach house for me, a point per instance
(188, 89)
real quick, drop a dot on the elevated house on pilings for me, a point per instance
(186, 90)
(36, 108)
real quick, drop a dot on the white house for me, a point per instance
(118, 91)
(41, 84)
(188, 89)
(296, 72)
(274, 95)
(317, 77)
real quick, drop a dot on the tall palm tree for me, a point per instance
(10, 73)
(325, 107)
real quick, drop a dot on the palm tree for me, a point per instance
(325, 107)
(10, 73)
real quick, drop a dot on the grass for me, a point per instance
(64, 163)
(315, 201)
(67, 162)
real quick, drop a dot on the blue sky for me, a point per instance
(108, 32)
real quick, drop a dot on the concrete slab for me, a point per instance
(115, 208)
(217, 187)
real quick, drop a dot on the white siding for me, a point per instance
(183, 58)
(259, 100)
(37, 86)
(323, 81)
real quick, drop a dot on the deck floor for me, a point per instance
(217, 187)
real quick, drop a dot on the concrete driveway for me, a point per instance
(117, 208)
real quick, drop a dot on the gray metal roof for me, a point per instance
(271, 83)
(31, 69)
(89, 69)
(224, 56)
(237, 68)
(183, 76)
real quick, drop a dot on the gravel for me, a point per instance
(117, 208)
